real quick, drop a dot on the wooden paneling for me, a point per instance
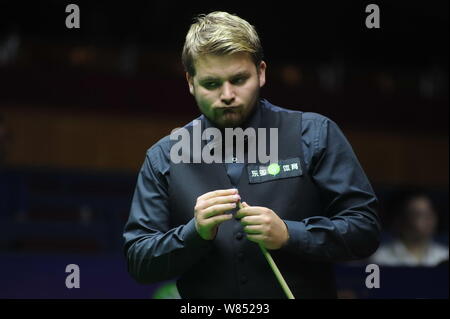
(402, 158)
(82, 140)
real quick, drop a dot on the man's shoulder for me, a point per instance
(315, 117)
(306, 116)
(160, 146)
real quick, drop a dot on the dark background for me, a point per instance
(397, 59)
(81, 106)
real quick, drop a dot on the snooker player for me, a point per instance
(312, 208)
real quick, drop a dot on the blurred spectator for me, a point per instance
(414, 225)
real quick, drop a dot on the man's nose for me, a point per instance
(227, 95)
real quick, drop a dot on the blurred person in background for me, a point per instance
(414, 225)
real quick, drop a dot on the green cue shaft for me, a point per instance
(274, 268)
(277, 272)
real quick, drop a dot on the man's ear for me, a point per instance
(190, 81)
(262, 73)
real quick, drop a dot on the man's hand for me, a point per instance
(263, 226)
(210, 211)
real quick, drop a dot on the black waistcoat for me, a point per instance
(235, 266)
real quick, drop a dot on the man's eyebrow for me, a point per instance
(213, 78)
(208, 78)
(241, 74)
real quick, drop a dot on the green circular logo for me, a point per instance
(273, 169)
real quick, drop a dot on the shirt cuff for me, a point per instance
(298, 239)
(192, 238)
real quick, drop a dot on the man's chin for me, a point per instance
(230, 123)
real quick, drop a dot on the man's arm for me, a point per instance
(349, 228)
(155, 252)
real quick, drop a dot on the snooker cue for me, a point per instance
(274, 267)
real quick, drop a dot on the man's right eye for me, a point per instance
(211, 85)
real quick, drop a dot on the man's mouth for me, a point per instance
(230, 109)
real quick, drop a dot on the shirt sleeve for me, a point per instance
(154, 251)
(349, 227)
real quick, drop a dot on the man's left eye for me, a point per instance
(238, 81)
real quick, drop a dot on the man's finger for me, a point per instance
(216, 220)
(253, 229)
(219, 192)
(220, 200)
(248, 211)
(256, 238)
(250, 220)
(217, 209)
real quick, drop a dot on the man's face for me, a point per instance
(226, 88)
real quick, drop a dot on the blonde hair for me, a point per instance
(220, 33)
